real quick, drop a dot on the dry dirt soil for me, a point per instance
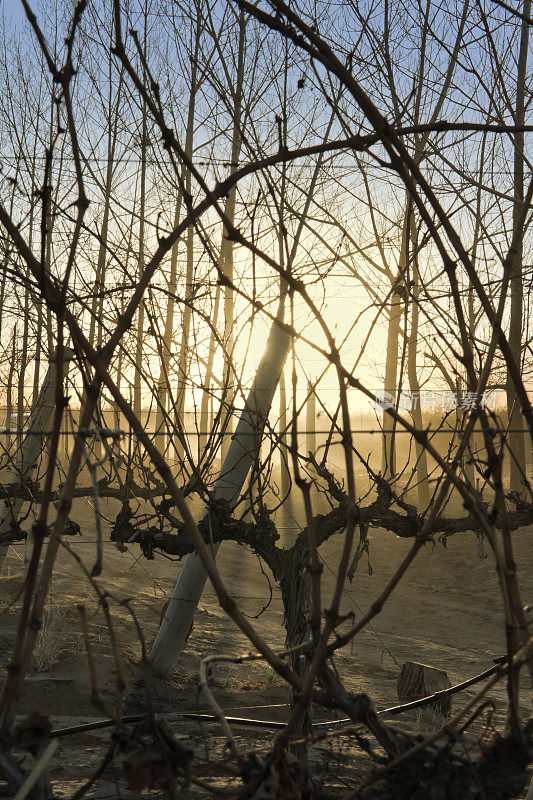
(446, 612)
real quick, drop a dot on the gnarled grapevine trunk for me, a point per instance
(295, 593)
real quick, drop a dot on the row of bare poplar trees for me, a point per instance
(193, 192)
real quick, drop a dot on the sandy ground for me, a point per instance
(446, 612)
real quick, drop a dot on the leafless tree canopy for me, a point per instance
(265, 280)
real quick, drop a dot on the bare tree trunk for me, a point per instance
(97, 303)
(283, 444)
(5, 258)
(226, 249)
(25, 333)
(206, 394)
(310, 419)
(3, 279)
(412, 373)
(243, 450)
(43, 312)
(137, 393)
(119, 372)
(2, 296)
(37, 359)
(388, 465)
(9, 394)
(120, 359)
(185, 329)
(163, 386)
(388, 461)
(23, 365)
(516, 437)
(475, 445)
(31, 447)
(189, 273)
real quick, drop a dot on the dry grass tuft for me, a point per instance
(52, 645)
(427, 720)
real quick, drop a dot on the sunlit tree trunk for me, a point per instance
(23, 365)
(388, 465)
(226, 249)
(25, 333)
(131, 253)
(37, 359)
(44, 316)
(163, 385)
(516, 437)
(24, 345)
(412, 373)
(475, 447)
(32, 445)
(206, 394)
(242, 452)
(388, 460)
(97, 302)
(310, 419)
(9, 389)
(120, 360)
(5, 261)
(283, 449)
(137, 392)
(185, 330)
(189, 271)
(2, 296)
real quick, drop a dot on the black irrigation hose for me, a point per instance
(260, 723)
(93, 726)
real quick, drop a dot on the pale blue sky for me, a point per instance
(13, 11)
